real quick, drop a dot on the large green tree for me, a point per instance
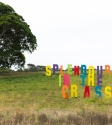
(15, 38)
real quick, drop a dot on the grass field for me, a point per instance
(32, 92)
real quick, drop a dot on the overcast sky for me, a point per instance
(68, 31)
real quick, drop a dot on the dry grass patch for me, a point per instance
(55, 117)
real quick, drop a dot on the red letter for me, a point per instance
(76, 70)
(86, 92)
(66, 79)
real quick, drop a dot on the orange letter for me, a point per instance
(107, 69)
(61, 69)
(64, 95)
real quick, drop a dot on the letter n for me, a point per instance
(66, 79)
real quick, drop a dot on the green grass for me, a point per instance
(37, 91)
(35, 99)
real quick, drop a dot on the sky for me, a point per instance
(68, 31)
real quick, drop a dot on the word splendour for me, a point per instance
(83, 74)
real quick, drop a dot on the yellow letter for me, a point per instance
(74, 90)
(108, 92)
(91, 76)
(48, 71)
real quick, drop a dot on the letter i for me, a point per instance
(59, 80)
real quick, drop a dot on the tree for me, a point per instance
(15, 38)
(41, 68)
(31, 67)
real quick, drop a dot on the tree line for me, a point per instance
(32, 68)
